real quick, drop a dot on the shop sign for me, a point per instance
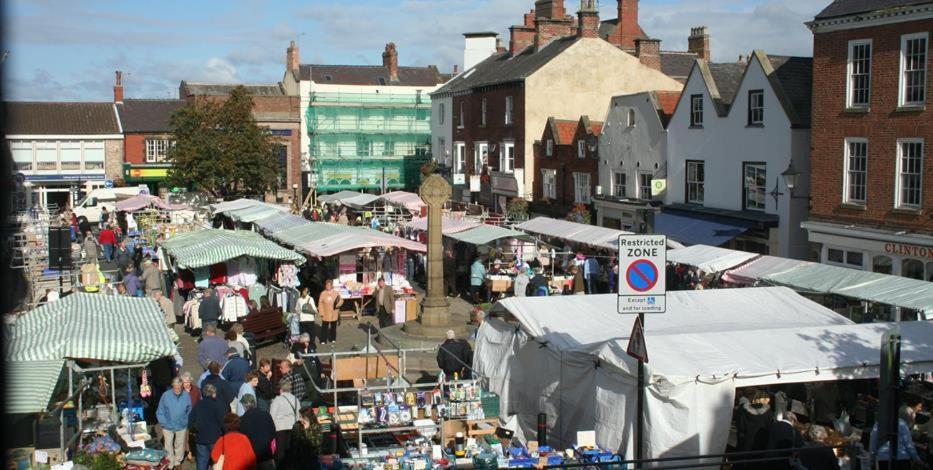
(642, 264)
(658, 187)
(902, 249)
(139, 173)
(475, 183)
(505, 183)
(66, 177)
(459, 178)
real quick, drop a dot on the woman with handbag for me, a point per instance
(329, 305)
(305, 443)
(233, 451)
(284, 411)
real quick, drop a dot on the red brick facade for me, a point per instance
(496, 130)
(134, 146)
(565, 159)
(882, 125)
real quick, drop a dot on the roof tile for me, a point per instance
(147, 115)
(851, 7)
(48, 118)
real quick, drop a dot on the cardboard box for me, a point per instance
(411, 309)
(500, 285)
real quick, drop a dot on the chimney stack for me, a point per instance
(550, 9)
(588, 19)
(291, 57)
(520, 38)
(477, 47)
(499, 47)
(628, 30)
(648, 52)
(698, 42)
(455, 69)
(118, 88)
(390, 61)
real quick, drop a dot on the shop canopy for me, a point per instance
(222, 207)
(591, 235)
(30, 385)
(357, 238)
(146, 201)
(93, 327)
(567, 358)
(709, 259)
(485, 234)
(753, 271)
(887, 289)
(448, 225)
(699, 229)
(410, 201)
(278, 222)
(210, 246)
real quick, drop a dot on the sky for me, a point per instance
(67, 50)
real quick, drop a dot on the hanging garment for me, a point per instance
(218, 273)
(233, 272)
(201, 276)
(248, 272)
(233, 307)
(287, 275)
(256, 291)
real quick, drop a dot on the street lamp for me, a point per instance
(790, 177)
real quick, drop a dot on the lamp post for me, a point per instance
(296, 201)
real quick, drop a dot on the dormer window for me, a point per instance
(328, 78)
(382, 80)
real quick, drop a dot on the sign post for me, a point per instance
(642, 289)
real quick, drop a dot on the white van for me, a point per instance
(97, 199)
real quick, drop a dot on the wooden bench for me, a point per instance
(265, 325)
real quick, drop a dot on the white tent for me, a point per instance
(565, 356)
(710, 259)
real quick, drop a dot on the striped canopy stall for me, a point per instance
(256, 212)
(308, 232)
(93, 327)
(278, 222)
(210, 246)
(30, 385)
(356, 238)
(226, 206)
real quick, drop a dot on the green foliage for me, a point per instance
(580, 214)
(101, 461)
(517, 209)
(220, 148)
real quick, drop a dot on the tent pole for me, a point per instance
(640, 412)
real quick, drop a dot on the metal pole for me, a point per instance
(113, 397)
(640, 407)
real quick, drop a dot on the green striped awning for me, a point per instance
(309, 232)
(487, 233)
(256, 212)
(30, 385)
(91, 326)
(210, 246)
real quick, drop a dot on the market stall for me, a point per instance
(409, 201)
(506, 252)
(752, 272)
(709, 259)
(566, 357)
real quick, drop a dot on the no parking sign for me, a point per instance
(642, 264)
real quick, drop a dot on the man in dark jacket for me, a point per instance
(206, 421)
(212, 347)
(224, 393)
(266, 389)
(235, 369)
(209, 310)
(455, 356)
(259, 427)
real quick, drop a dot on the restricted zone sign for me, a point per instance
(642, 264)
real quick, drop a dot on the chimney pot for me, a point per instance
(118, 87)
(390, 61)
(455, 69)
(588, 19)
(698, 42)
(648, 52)
(291, 57)
(627, 30)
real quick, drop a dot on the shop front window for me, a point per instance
(912, 268)
(882, 264)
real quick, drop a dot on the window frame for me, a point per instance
(549, 191)
(902, 69)
(507, 163)
(509, 111)
(899, 175)
(549, 148)
(94, 145)
(700, 184)
(482, 122)
(156, 145)
(460, 158)
(581, 149)
(70, 145)
(641, 186)
(631, 117)
(752, 109)
(23, 146)
(440, 114)
(696, 111)
(619, 190)
(462, 121)
(478, 163)
(580, 196)
(746, 190)
(850, 73)
(847, 171)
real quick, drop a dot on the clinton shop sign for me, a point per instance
(915, 251)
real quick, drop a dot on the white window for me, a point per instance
(581, 149)
(753, 188)
(459, 157)
(22, 155)
(618, 184)
(508, 111)
(756, 107)
(549, 183)
(440, 113)
(842, 257)
(507, 157)
(156, 149)
(482, 121)
(855, 185)
(696, 179)
(46, 155)
(70, 155)
(581, 188)
(644, 186)
(631, 117)
(94, 155)
(462, 120)
(696, 110)
(480, 157)
(909, 173)
(442, 150)
(913, 69)
(858, 86)
(549, 148)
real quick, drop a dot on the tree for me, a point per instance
(220, 149)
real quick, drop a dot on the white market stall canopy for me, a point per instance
(350, 198)
(567, 358)
(897, 291)
(30, 385)
(755, 270)
(235, 204)
(202, 248)
(255, 212)
(709, 259)
(591, 235)
(410, 201)
(145, 201)
(448, 225)
(485, 234)
(91, 326)
(323, 239)
(278, 222)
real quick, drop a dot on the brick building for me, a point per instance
(568, 158)
(871, 128)
(274, 109)
(146, 137)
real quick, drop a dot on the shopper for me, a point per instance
(206, 421)
(151, 278)
(591, 274)
(235, 370)
(879, 447)
(520, 284)
(233, 451)
(91, 253)
(265, 391)
(258, 426)
(304, 446)
(172, 414)
(385, 303)
(579, 285)
(224, 393)
(209, 310)
(212, 347)
(104, 217)
(329, 306)
(107, 239)
(295, 380)
(455, 356)
(187, 384)
(284, 411)
(168, 309)
(477, 278)
(247, 389)
(816, 454)
(753, 419)
(306, 311)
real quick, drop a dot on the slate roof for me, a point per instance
(677, 65)
(796, 77)
(851, 7)
(50, 118)
(220, 89)
(728, 77)
(502, 68)
(147, 115)
(607, 27)
(369, 75)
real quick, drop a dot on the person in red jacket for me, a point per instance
(234, 446)
(107, 239)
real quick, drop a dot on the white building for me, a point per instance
(737, 127)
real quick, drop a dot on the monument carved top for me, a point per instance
(435, 190)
